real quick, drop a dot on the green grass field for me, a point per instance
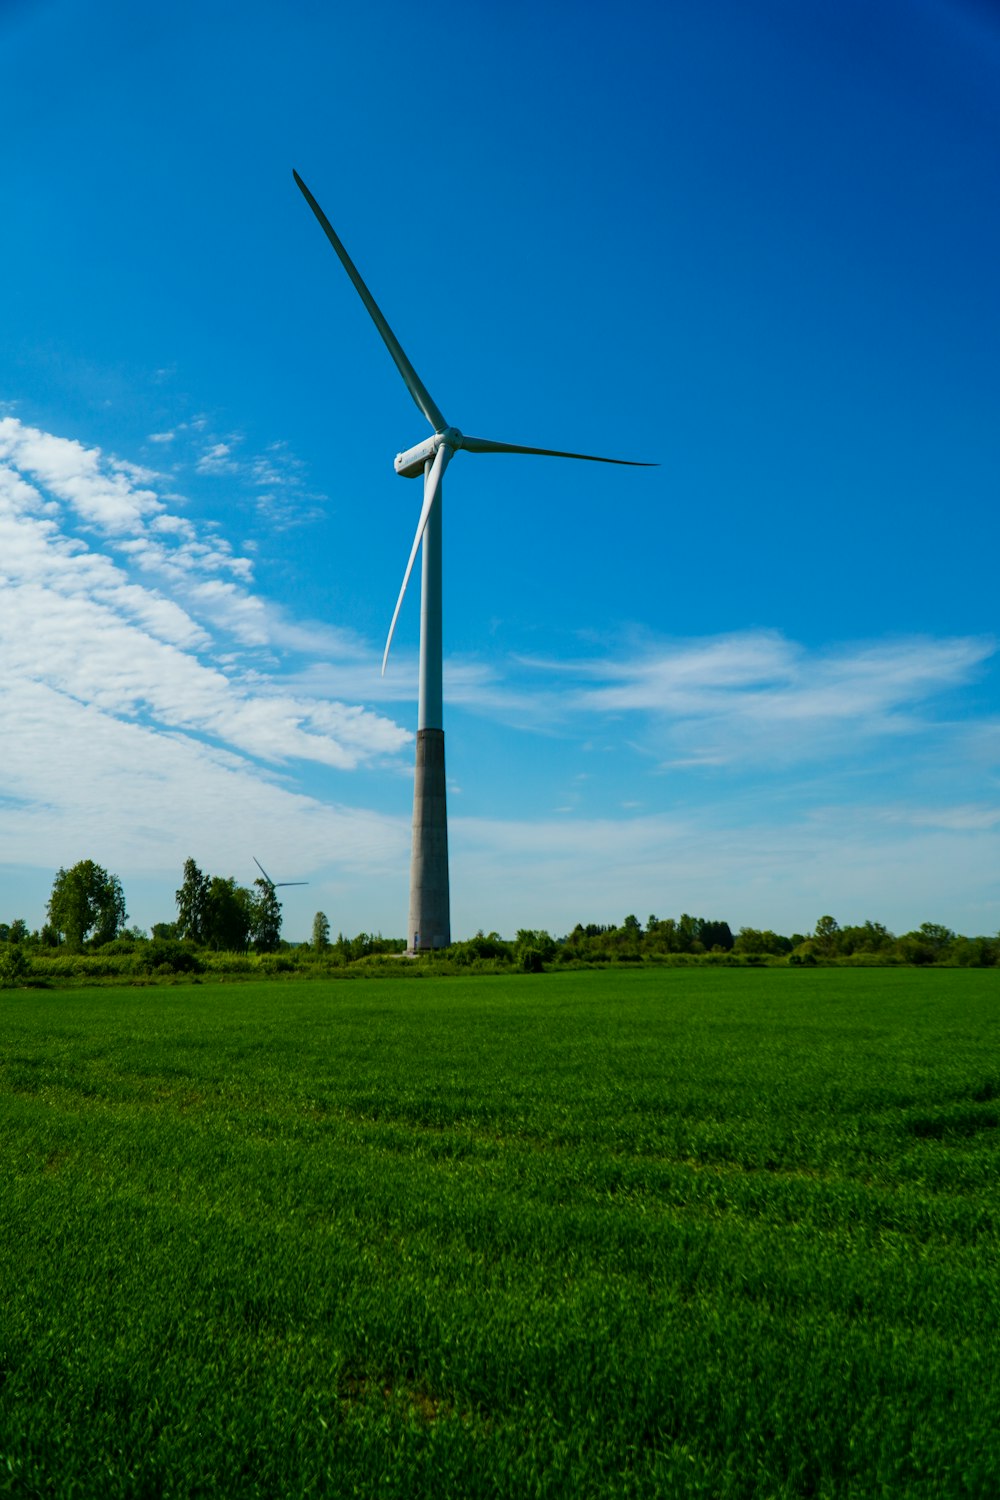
(643, 1233)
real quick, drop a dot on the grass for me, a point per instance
(691, 1232)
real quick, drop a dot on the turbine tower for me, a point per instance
(430, 915)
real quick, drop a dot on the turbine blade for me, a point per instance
(280, 884)
(432, 484)
(261, 869)
(486, 445)
(414, 384)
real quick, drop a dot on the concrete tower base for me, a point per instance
(430, 906)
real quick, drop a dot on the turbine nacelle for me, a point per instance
(410, 465)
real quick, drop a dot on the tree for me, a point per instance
(938, 937)
(827, 935)
(192, 901)
(540, 942)
(929, 945)
(755, 940)
(228, 915)
(689, 934)
(18, 930)
(717, 935)
(868, 937)
(87, 900)
(265, 917)
(321, 931)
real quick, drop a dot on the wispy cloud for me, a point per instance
(273, 482)
(177, 653)
(217, 459)
(731, 699)
(81, 782)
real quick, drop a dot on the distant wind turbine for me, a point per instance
(275, 884)
(430, 918)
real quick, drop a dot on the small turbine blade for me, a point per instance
(486, 445)
(414, 384)
(432, 484)
(262, 870)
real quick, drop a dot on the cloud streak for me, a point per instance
(90, 627)
(752, 696)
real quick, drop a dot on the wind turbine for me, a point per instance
(430, 919)
(274, 884)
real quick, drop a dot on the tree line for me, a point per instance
(930, 943)
(702, 938)
(86, 911)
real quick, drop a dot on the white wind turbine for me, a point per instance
(430, 919)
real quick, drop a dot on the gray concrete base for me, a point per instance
(430, 904)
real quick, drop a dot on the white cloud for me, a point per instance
(756, 695)
(87, 627)
(273, 482)
(217, 459)
(105, 495)
(146, 800)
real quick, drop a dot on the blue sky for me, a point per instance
(755, 243)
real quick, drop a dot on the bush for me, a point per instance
(975, 953)
(166, 956)
(14, 967)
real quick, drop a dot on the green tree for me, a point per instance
(827, 936)
(717, 935)
(540, 942)
(265, 917)
(321, 931)
(930, 944)
(689, 934)
(228, 915)
(86, 901)
(661, 935)
(18, 930)
(755, 940)
(192, 909)
(869, 937)
(938, 937)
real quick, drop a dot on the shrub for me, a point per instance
(164, 955)
(14, 967)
